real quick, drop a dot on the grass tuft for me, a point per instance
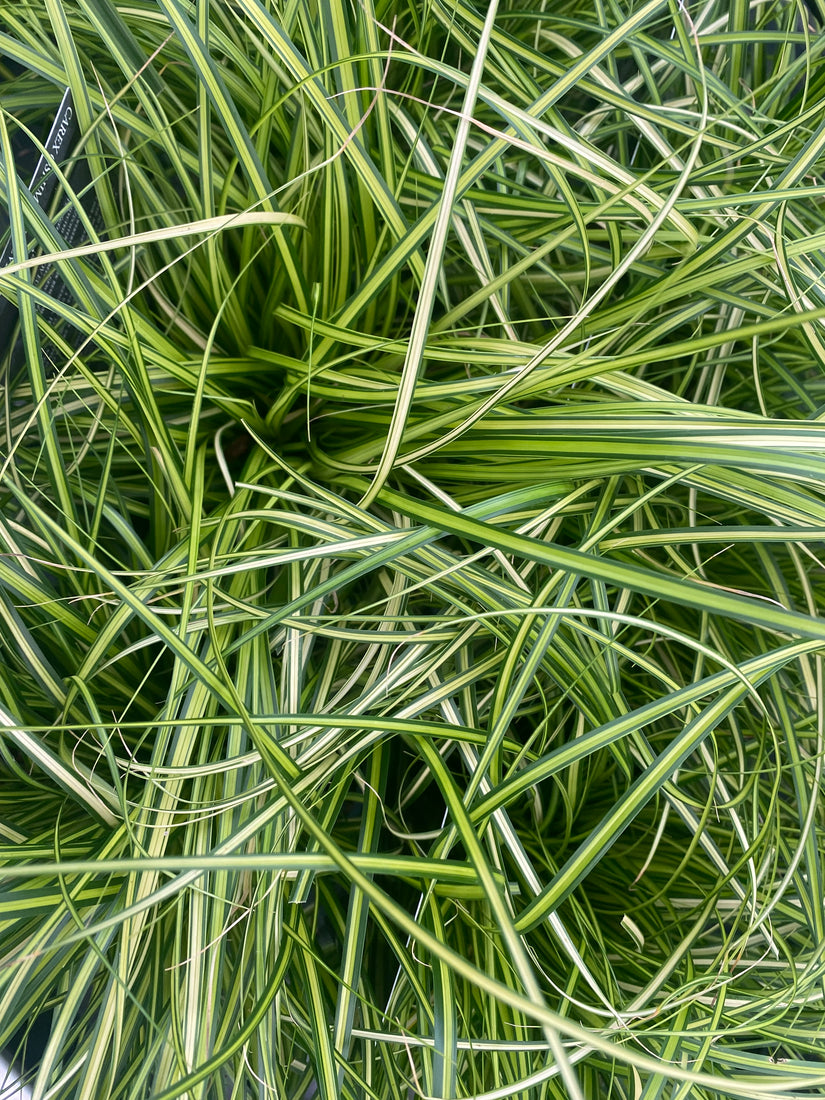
(411, 563)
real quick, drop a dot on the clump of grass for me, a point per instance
(410, 576)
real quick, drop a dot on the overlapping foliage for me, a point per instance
(411, 674)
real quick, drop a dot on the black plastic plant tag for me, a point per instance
(60, 144)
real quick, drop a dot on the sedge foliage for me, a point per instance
(410, 567)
